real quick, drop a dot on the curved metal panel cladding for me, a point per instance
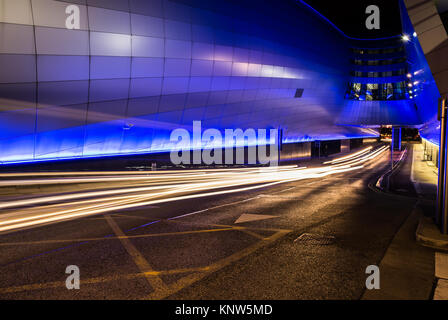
(137, 69)
(425, 87)
(373, 113)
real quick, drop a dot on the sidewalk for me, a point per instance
(410, 270)
(407, 269)
(424, 176)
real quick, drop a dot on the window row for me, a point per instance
(378, 51)
(371, 74)
(377, 91)
(360, 62)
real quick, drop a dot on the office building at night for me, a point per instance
(137, 69)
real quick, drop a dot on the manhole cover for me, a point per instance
(315, 239)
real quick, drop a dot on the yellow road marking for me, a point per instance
(234, 227)
(148, 235)
(167, 289)
(190, 279)
(61, 284)
(253, 234)
(156, 282)
(242, 229)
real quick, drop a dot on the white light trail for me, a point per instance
(162, 187)
(349, 156)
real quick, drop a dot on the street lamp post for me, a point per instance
(442, 191)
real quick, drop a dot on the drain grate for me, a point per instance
(315, 239)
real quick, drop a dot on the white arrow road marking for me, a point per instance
(252, 217)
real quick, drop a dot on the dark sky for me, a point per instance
(350, 16)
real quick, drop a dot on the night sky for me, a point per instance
(350, 16)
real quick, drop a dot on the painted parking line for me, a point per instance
(97, 280)
(156, 282)
(185, 281)
(147, 235)
(162, 290)
(140, 226)
(253, 234)
(190, 279)
(117, 237)
(213, 208)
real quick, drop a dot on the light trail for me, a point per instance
(351, 156)
(367, 157)
(109, 177)
(162, 187)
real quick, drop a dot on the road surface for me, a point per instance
(248, 233)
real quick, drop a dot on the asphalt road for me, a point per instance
(229, 234)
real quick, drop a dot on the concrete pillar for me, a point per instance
(396, 138)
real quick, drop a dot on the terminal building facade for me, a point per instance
(136, 70)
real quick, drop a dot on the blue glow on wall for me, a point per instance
(138, 69)
(425, 89)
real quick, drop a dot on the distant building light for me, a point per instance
(410, 85)
(405, 38)
(409, 75)
(415, 34)
(416, 83)
(418, 72)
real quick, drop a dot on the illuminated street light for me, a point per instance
(405, 38)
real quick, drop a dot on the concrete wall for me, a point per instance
(295, 151)
(432, 37)
(431, 152)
